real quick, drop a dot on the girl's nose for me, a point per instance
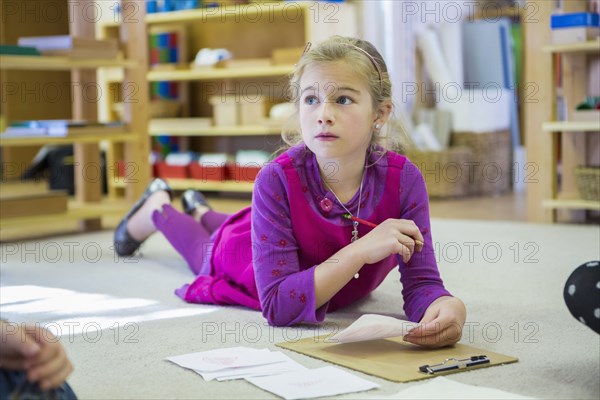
(326, 114)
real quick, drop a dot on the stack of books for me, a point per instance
(72, 46)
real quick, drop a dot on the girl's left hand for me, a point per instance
(441, 324)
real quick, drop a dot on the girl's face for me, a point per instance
(336, 112)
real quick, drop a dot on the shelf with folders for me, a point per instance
(571, 139)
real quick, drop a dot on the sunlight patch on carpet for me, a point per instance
(68, 312)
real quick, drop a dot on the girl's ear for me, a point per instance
(383, 112)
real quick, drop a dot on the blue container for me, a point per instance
(151, 6)
(186, 4)
(574, 20)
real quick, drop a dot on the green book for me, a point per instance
(14, 50)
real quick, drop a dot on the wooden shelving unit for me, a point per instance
(249, 31)
(562, 145)
(76, 75)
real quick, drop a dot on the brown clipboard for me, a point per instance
(392, 359)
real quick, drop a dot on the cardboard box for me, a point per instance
(574, 35)
(586, 115)
(574, 27)
(252, 113)
(225, 110)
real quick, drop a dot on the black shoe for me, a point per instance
(190, 199)
(125, 245)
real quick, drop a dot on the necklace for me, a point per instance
(354, 223)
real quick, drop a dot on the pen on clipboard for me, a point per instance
(453, 363)
(372, 225)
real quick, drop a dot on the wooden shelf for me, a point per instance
(69, 139)
(571, 126)
(591, 46)
(209, 186)
(574, 204)
(48, 63)
(219, 73)
(217, 131)
(76, 212)
(230, 13)
(208, 74)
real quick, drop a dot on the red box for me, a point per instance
(164, 170)
(120, 170)
(207, 172)
(242, 173)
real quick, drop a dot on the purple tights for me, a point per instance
(191, 239)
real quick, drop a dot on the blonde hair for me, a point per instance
(369, 65)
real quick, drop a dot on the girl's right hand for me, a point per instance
(393, 236)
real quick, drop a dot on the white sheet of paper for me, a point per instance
(373, 326)
(444, 388)
(284, 364)
(214, 360)
(327, 381)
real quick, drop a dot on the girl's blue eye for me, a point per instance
(310, 100)
(345, 100)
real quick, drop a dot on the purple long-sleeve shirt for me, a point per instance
(281, 234)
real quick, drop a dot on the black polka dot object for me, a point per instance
(582, 294)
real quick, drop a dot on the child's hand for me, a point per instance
(36, 351)
(17, 347)
(393, 236)
(51, 366)
(441, 325)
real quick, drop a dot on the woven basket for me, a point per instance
(445, 171)
(588, 182)
(490, 172)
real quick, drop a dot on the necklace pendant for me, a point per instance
(354, 232)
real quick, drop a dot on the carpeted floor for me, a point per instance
(119, 319)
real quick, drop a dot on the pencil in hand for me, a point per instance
(372, 225)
